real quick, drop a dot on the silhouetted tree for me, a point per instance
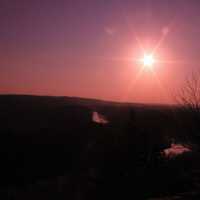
(189, 99)
(189, 95)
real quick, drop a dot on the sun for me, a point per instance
(148, 60)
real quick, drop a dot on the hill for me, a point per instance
(52, 148)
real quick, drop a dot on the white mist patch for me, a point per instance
(98, 118)
(175, 150)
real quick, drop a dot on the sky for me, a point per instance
(91, 48)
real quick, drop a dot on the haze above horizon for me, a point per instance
(91, 48)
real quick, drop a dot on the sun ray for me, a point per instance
(165, 32)
(132, 29)
(132, 83)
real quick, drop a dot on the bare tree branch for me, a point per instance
(189, 95)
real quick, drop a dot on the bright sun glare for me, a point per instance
(148, 60)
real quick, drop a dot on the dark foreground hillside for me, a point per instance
(52, 148)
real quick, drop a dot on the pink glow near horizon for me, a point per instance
(91, 49)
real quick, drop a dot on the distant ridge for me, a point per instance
(84, 100)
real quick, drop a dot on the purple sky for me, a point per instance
(84, 48)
